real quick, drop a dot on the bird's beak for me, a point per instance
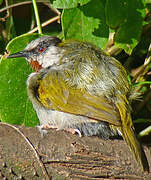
(19, 54)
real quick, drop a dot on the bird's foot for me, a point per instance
(43, 128)
(74, 131)
(47, 126)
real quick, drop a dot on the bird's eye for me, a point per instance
(41, 49)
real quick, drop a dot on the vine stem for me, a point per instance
(37, 16)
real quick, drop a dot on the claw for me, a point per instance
(74, 131)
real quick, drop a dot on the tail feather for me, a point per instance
(136, 148)
(128, 133)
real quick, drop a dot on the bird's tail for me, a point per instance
(128, 134)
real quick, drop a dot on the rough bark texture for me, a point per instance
(64, 156)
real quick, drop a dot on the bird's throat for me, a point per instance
(35, 65)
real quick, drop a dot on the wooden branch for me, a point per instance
(64, 156)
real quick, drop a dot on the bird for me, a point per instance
(79, 88)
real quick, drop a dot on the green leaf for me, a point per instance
(86, 23)
(1, 2)
(142, 83)
(66, 4)
(142, 121)
(15, 107)
(127, 18)
(148, 1)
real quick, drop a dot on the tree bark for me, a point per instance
(25, 154)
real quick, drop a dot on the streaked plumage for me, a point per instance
(78, 86)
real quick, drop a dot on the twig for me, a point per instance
(32, 147)
(29, 2)
(7, 15)
(19, 4)
(45, 23)
(148, 58)
(15, 5)
(53, 9)
(144, 69)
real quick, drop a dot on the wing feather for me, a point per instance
(55, 93)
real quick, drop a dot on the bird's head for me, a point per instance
(41, 53)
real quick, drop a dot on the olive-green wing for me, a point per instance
(55, 93)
